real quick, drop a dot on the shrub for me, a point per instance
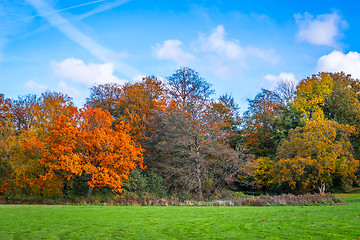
(143, 183)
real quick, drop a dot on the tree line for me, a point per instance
(172, 138)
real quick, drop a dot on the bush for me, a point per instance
(142, 183)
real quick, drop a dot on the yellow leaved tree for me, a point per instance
(311, 94)
(315, 155)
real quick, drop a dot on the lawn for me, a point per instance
(137, 222)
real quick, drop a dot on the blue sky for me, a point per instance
(238, 46)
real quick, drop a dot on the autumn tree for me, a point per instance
(6, 134)
(332, 96)
(311, 94)
(5, 107)
(49, 106)
(224, 114)
(189, 137)
(32, 115)
(191, 94)
(313, 152)
(270, 116)
(260, 123)
(289, 118)
(343, 104)
(315, 156)
(262, 172)
(22, 110)
(25, 150)
(190, 91)
(189, 156)
(85, 145)
(138, 102)
(105, 96)
(286, 90)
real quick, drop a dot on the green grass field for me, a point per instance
(137, 222)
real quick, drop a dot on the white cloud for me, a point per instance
(213, 52)
(231, 50)
(64, 87)
(37, 87)
(284, 76)
(69, 30)
(273, 80)
(338, 61)
(267, 55)
(172, 50)
(228, 58)
(88, 74)
(320, 30)
(216, 43)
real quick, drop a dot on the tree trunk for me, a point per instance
(322, 188)
(198, 176)
(89, 192)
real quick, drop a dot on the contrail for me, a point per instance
(103, 7)
(70, 31)
(60, 10)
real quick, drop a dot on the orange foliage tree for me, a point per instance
(31, 118)
(25, 149)
(137, 103)
(84, 144)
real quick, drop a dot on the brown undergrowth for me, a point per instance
(148, 200)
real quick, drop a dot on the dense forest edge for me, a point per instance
(169, 142)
